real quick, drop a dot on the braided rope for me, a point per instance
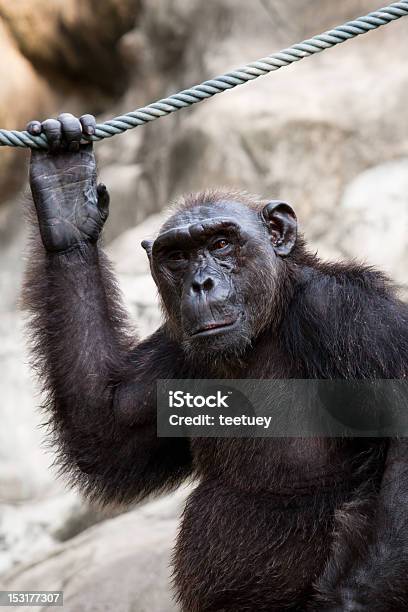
(205, 90)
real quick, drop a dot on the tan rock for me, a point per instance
(73, 39)
(23, 95)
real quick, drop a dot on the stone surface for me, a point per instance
(26, 530)
(59, 56)
(126, 210)
(122, 564)
(73, 40)
(374, 210)
(24, 464)
(301, 133)
(23, 94)
(132, 268)
(125, 252)
(288, 135)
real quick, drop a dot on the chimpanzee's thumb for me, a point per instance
(103, 200)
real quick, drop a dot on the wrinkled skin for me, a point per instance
(208, 266)
(71, 208)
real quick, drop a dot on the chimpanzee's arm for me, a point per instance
(100, 384)
(369, 568)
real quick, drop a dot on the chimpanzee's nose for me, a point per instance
(202, 283)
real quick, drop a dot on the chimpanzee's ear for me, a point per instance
(280, 219)
(148, 245)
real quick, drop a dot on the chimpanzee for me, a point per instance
(273, 524)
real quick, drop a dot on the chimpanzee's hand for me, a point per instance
(71, 208)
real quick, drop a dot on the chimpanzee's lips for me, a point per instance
(216, 327)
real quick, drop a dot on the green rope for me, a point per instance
(252, 71)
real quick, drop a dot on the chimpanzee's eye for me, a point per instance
(219, 244)
(176, 256)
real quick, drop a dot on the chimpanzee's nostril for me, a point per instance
(201, 286)
(208, 284)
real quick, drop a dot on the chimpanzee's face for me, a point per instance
(216, 267)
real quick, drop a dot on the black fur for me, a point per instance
(284, 524)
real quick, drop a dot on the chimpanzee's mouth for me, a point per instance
(216, 327)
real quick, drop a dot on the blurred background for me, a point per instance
(329, 135)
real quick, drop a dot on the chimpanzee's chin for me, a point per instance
(217, 347)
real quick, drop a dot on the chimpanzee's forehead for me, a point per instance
(202, 211)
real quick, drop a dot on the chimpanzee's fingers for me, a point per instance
(34, 128)
(88, 123)
(52, 130)
(71, 130)
(103, 200)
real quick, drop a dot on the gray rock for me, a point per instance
(128, 207)
(300, 134)
(26, 530)
(374, 213)
(24, 464)
(140, 296)
(122, 564)
(132, 268)
(125, 252)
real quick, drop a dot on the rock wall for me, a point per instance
(122, 564)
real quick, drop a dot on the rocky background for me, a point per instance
(330, 135)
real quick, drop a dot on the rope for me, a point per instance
(205, 90)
